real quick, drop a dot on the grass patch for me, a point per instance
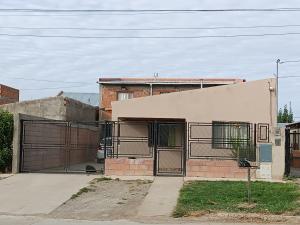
(229, 196)
(102, 179)
(81, 191)
(97, 180)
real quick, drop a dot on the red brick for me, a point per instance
(124, 166)
(8, 94)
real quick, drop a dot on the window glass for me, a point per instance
(124, 95)
(167, 135)
(227, 134)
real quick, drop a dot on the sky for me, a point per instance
(42, 67)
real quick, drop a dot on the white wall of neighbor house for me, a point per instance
(253, 102)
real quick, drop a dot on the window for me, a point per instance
(167, 135)
(124, 95)
(227, 134)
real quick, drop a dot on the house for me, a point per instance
(54, 108)
(41, 128)
(8, 94)
(115, 89)
(293, 148)
(198, 133)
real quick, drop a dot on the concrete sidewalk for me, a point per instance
(29, 194)
(162, 197)
(31, 220)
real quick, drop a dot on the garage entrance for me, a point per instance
(58, 146)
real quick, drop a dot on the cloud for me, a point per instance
(87, 59)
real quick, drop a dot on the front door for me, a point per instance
(170, 148)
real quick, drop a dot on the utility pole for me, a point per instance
(277, 86)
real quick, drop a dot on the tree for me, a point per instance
(279, 116)
(285, 116)
(291, 115)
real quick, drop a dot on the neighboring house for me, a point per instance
(91, 99)
(54, 108)
(41, 129)
(198, 133)
(293, 132)
(115, 89)
(87, 98)
(8, 94)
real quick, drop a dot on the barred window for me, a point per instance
(225, 135)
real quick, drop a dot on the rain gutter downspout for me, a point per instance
(151, 89)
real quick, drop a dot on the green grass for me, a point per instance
(229, 196)
(81, 191)
(102, 179)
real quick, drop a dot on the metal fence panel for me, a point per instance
(58, 146)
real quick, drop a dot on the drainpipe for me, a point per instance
(151, 89)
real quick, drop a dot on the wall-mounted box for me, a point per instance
(265, 152)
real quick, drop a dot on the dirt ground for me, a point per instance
(105, 200)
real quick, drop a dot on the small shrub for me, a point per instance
(6, 138)
(5, 159)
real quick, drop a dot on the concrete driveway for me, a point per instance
(30, 194)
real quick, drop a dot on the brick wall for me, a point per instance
(129, 167)
(110, 93)
(205, 168)
(213, 168)
(8, 95)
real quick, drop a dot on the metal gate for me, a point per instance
(170, 148)
(164, 142)
(59, 146)
(292, 152)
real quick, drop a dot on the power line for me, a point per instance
(148, 37)
(54, 88)
(130, 12)
(289, 61)
(295, 76)
(155, 28)
(50, 81)
(99, 14)
(148, 10)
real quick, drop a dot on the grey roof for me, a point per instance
(87, 98)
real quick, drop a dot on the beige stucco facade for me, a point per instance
(253, 102)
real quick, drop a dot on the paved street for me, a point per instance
(29, 220)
